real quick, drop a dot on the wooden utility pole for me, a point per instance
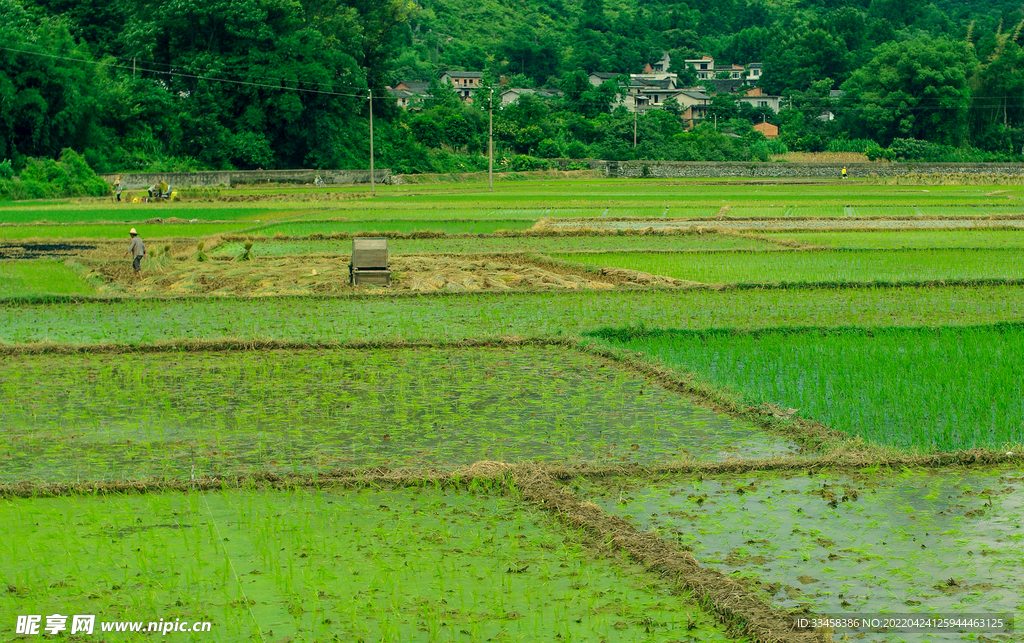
(636, 110)
(490, 144)
(373, 182)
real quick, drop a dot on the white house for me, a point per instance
(464, 82)
(753, 73)
(757, 98)
(705, 67)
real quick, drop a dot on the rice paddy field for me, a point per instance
(584, 410)
(824, 267)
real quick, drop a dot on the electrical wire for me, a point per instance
(178, 74)
(919, 106)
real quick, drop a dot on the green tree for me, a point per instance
(724, 106)
(254, 75)
(379, 34)
(527, 51)
(440, 94)
(997, 111)
(807, 56)
(48, 102)
(593, 16)
(915, 89)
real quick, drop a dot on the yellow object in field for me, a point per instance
(135, 199)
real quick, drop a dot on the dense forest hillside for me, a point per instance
(162, 84)
(545, 38)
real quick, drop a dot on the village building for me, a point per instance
(704, 67)
(770, 131)
(753, 73)
(513, 94)
(651, 89)
(408, 92)
(598, 78)
(464, 82)
(756, 98)
(656, 86)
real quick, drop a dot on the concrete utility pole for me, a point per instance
(373, 182)
(490, 143)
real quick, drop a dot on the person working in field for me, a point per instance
(138, 251)
(844, 171)
(160, 190)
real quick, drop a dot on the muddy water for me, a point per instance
(182, 414)
(925, 542)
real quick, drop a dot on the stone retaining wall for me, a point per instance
(142, 180)
(707, 170)
(611, 169)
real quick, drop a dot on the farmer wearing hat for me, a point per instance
(138, 250)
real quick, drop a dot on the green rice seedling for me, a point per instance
(384, 227)
(33, 278)
(104, 231)
(496, 315)
(819, 267)
(915, 388)
(900, 239)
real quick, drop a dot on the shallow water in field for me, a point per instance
(946, 542)
(99, 417)
(419, 564)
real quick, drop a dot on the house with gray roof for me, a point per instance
(464, 82)
(513, 94)
(409, 92)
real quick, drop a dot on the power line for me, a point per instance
(183, 74)
(918, 106)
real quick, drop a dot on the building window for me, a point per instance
(757, 72)
(762, 103)
(703, 65)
